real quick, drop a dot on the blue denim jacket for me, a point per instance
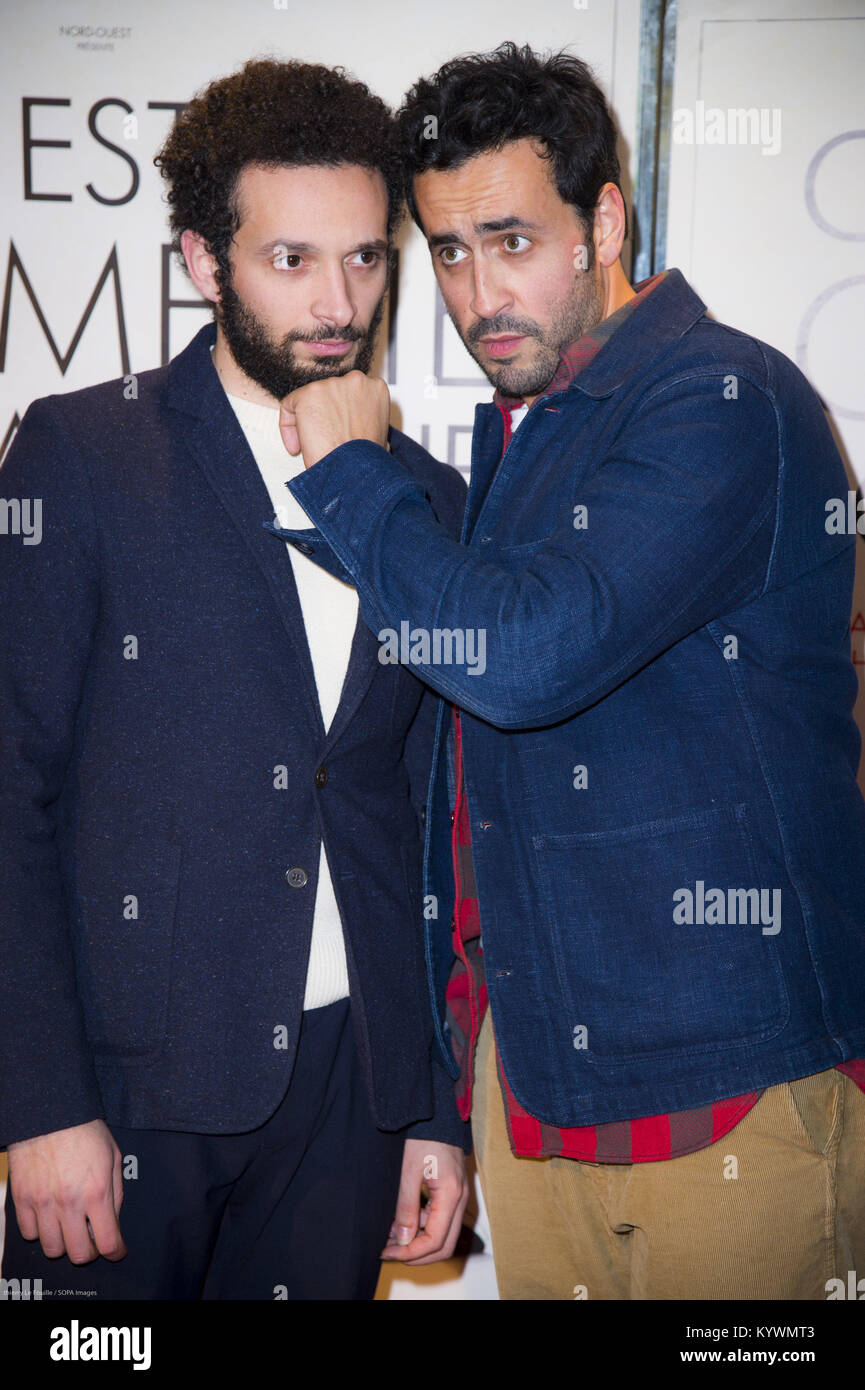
(659, 751)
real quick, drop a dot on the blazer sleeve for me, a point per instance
(49, 600)
(445, 1125)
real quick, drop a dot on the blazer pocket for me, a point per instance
(127, 898)
(645, 975)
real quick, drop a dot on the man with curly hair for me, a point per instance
(214, 998)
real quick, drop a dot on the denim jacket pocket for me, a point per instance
(663, 936)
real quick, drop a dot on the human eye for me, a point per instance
(283, 259)
(509, 240)
(451, 255)
(365, 259)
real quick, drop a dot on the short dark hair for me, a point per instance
(270, 113)
(482, 101)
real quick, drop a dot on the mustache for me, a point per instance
(502, 323)
(349, 334)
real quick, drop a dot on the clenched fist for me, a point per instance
(322, 415)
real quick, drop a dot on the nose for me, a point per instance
(490, 296)
(332, 304)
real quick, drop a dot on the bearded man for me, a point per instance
(214, 997)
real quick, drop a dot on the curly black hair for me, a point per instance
(271, 113)
(481, 101)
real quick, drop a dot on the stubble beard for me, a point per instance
(582, 311)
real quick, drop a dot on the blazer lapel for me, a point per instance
(363, 664)
(219, 447)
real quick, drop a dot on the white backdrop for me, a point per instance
(775, 244)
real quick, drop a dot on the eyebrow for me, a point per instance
(500, 224)
(292, 247)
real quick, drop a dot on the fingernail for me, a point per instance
(403, 1235)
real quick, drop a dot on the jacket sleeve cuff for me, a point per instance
(312, 543)
(345, 496)
(445, 1126)
(67, 1100)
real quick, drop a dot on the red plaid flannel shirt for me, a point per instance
(643, 1140)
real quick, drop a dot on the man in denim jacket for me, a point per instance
(644, 789)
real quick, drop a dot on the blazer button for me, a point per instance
(304, 548)
(295, 878)
(321, 776)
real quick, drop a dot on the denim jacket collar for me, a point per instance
(669, 311)
(603, 358)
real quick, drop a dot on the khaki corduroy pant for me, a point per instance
(792, 1217)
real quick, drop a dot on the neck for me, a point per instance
(617, 290)
(234, 380)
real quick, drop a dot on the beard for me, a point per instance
(582, 310)
(273, 365)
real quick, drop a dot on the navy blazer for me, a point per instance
(155, 678)
(659, 749)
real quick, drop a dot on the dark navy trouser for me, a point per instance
(298, 1208)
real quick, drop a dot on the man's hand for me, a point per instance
(324, 414)
(420, 1236)
(60, 1182)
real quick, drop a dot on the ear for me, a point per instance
(201, 264)
(609, 226)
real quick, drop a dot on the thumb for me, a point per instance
(405, 1225)
(288, 430)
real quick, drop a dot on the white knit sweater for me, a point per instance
(329, 610)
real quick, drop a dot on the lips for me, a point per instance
(502, 347)
(335, 348)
